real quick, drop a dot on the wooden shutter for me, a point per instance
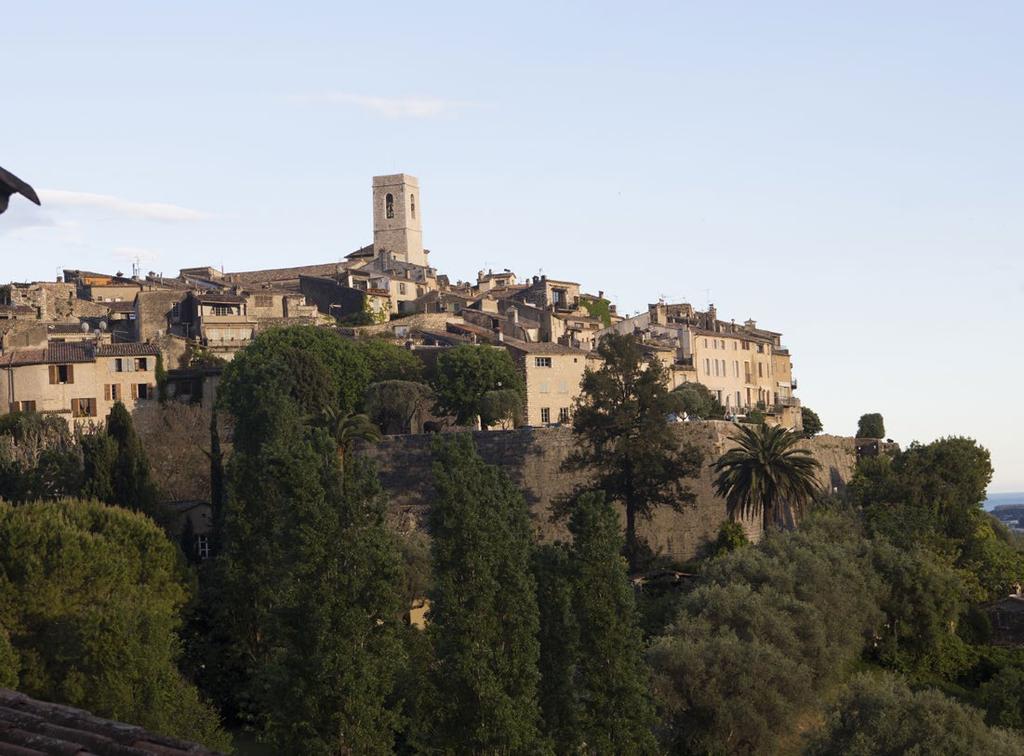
(71, 373)
(135, 391)
(74, 408)
(53, 374)
(106, 392)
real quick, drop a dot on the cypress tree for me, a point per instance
(483, 616)
(559, 638)
(616, 714)
(133, 486)
(306, 589)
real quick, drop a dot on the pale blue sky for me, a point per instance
(848, 176)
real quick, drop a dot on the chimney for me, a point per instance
(515, 315)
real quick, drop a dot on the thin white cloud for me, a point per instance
(389, 107)
(149, 210)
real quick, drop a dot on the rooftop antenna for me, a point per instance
(707, 298)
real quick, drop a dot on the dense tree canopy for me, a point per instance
(881, 714)
(810, 421)
(698, 402)
(90, 597)
(624, 439)
(871, 425)
(464, 374)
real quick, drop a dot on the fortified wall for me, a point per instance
(532, 458)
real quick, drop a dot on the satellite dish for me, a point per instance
(85, 328)
(103, 325)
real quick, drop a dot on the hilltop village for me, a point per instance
(75, 346)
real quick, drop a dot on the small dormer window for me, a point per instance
(389, 206)
(412, 204)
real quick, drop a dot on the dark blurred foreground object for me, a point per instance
(11, 184)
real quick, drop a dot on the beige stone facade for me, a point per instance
(553, 374)
(744, 366)
(80, 381)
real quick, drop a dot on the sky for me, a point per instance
(848, 174)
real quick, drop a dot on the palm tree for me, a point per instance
(766, 473)
(347, 428)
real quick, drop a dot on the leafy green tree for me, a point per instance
(811, 422)
(464, 374)
(615, 712)
(333, 372)
(624, 440)
(871, 425)
(881, 714)
(90, 597)
(766, 633)
(731, 536)
(389, 362)
(39, 458)
(698, 402)
(133, 485)
(766, 474)
(503, 407)
(483, 616)
(392, 404)
(1003, 698)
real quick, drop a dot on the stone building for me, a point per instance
(744, 366)
(552, 373)
(80, 380)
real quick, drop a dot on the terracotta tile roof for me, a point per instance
(126, 350)
(61, 353)
(70, 351)
(119, 306)
(541, 347)
(216, 297)
(35, 728)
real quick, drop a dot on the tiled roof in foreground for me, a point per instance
(35, 728)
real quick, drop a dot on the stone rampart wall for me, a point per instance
(532, 458)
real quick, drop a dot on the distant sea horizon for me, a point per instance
(1008, 497)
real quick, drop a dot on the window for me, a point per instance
(760, 370)
(545, 415)
(27, 406)
(738, 401)
(62, 373)
(735, 346)
(389, 206)
(176, 311)
(222, 309)
(736, 368)
(563, 415)
(83, 407)
(120, 365)
(545, 388)
(563, 387)
(412, 204)
(544, 362)
(264, 300)
(141, 391)
(707, 366)
(202, 547)
(401, 288)
(112, 392)
(141, 363)
(705, 343)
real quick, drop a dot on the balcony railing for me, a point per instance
(787, 401)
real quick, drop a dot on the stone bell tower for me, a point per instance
(397, 221)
